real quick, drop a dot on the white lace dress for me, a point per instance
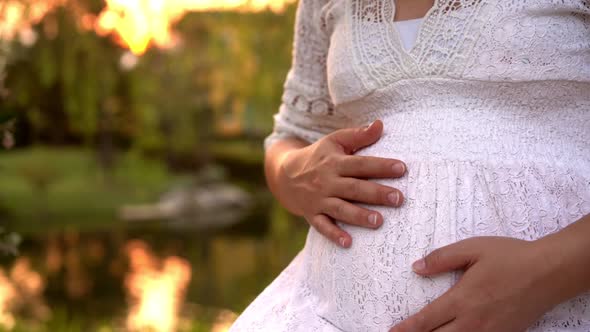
(490, 110)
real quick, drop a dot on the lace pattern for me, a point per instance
(370, 286)
(307, 110)
(533, 40)
(490, 110)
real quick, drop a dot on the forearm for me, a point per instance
(568, 258)
(273, 159)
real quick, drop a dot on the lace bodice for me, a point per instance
(346, 49)
(490, 110)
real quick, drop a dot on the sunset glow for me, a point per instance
(141, 22)
(16, 17)
(135, 24)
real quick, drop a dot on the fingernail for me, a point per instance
(419, 265)
(393, 197)
(342, 242)
(399, 168)
(373, 219)
(369, 126)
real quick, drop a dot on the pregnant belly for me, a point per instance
(370, 286)
(481, 161)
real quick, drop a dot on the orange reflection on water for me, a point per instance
(156, 289)
(20, 288)
(7, 296)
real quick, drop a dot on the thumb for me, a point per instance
(353, 139)
(456, 256)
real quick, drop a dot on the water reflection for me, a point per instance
(156, 288)
(146, 277)
(21, 292)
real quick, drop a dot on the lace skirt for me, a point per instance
(486, 165)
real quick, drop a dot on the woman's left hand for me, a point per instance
(506, 287)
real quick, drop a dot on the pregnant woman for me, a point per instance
(440, 150)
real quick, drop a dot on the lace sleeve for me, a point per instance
(306, 111)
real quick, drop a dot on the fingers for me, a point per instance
(452, 257)
(367, 192)
(371, 167)
(437, 314)
(349, 213)
(353, 139)
(452, 326)
(325, 226)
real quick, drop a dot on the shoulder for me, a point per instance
(319, 14)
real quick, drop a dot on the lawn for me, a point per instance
(45, 188)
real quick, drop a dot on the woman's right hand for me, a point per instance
(320, 180)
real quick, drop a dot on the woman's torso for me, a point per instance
(490, 109)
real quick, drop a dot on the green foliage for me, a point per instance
(225, 79)
(69, 91)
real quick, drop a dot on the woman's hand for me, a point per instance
(318, 181)
(508, 284)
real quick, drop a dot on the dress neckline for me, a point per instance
(412, 20)
(423, 20)
(441, 44)
(408, 31)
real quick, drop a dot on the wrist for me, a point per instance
(548, 278)
(564, 263)
(276, 175)
(285, 193)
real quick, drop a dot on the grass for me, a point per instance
(46, 188)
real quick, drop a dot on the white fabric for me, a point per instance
(408, 32)
(490, 110)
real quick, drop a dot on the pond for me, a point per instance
(83, 269)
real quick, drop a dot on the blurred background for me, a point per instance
(132, 193)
